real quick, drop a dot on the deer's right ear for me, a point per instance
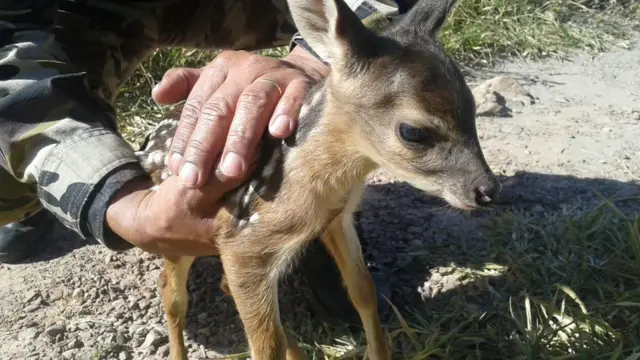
(330, 27)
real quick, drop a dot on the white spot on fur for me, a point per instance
(254, 218)
(158, 158)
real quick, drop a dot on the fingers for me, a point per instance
(285, 118)
(208, 136)
(210, 80)
(254, 107)
(175, 86)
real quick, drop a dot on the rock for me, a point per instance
(69, 354)
(30, 295)
(154, 338)
(144, 304)
(56, 294)
(499, 96)
(121, 337)
(78, 294)
(163, 351)
(141, 332)
(28, 334)
(123, 356)
(75, 344)
(31, 308)
(55, 330)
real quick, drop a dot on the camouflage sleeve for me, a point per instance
(58, 138)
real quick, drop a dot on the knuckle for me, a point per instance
(238, 141)
(223, 57)
(196, 149)
(216, 110)
(253, 100)
(292, 101)
(191, 111)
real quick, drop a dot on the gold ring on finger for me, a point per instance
(272, 83)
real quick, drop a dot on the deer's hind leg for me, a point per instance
(252, 278)
(343, 244)
(175, 300)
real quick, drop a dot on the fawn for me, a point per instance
(392, 100)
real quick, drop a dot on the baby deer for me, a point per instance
(393, 100)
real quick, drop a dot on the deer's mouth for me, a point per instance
(457, 202)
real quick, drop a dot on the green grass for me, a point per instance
(479, 32)
(565, 287)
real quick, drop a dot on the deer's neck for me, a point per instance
(327, 159)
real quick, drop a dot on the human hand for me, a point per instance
(229, 103)
(171, 220)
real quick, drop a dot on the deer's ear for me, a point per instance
(330, 27)
(429, 16)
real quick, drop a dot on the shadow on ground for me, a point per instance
(423, 245)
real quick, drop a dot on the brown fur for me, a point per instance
(348, 128)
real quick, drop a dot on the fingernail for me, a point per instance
(189, 174)
(232, 165)
(282, 125)
(175, 159)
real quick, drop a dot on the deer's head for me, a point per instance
(406, 102)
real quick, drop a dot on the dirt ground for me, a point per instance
(580, 135)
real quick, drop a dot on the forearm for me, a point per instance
(58, 142)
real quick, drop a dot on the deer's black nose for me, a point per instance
(488, 192)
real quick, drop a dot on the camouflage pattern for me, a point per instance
(62, 63)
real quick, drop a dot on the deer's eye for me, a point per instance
(412, 134)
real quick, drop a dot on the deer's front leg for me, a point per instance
(252, 279)
(175, 300)
(343, 244)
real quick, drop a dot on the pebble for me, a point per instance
(56, 294)
(30, 295)
(78, 294)
(32, 308)
(28, 334)
(163, 351)
(123, 355)
(55, 330)
(69, 354)
(75, 344)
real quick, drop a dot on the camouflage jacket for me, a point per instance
(62, 63)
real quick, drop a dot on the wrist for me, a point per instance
(123, 213)
(301, 58)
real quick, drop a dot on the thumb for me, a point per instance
(175, 86)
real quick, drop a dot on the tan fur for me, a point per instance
(281, 231)
(370, 93)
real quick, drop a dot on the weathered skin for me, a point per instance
(61, 66)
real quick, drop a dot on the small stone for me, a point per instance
(30, 295)
(141, 332)
(55, 330)
(78, 294)
(69, 354)
(31, 308)
(163, 351)
(56, 294)
(121, 337)
(144, 304)
(123, 355)
(155, 339)
(28, 334)
(75, 344)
